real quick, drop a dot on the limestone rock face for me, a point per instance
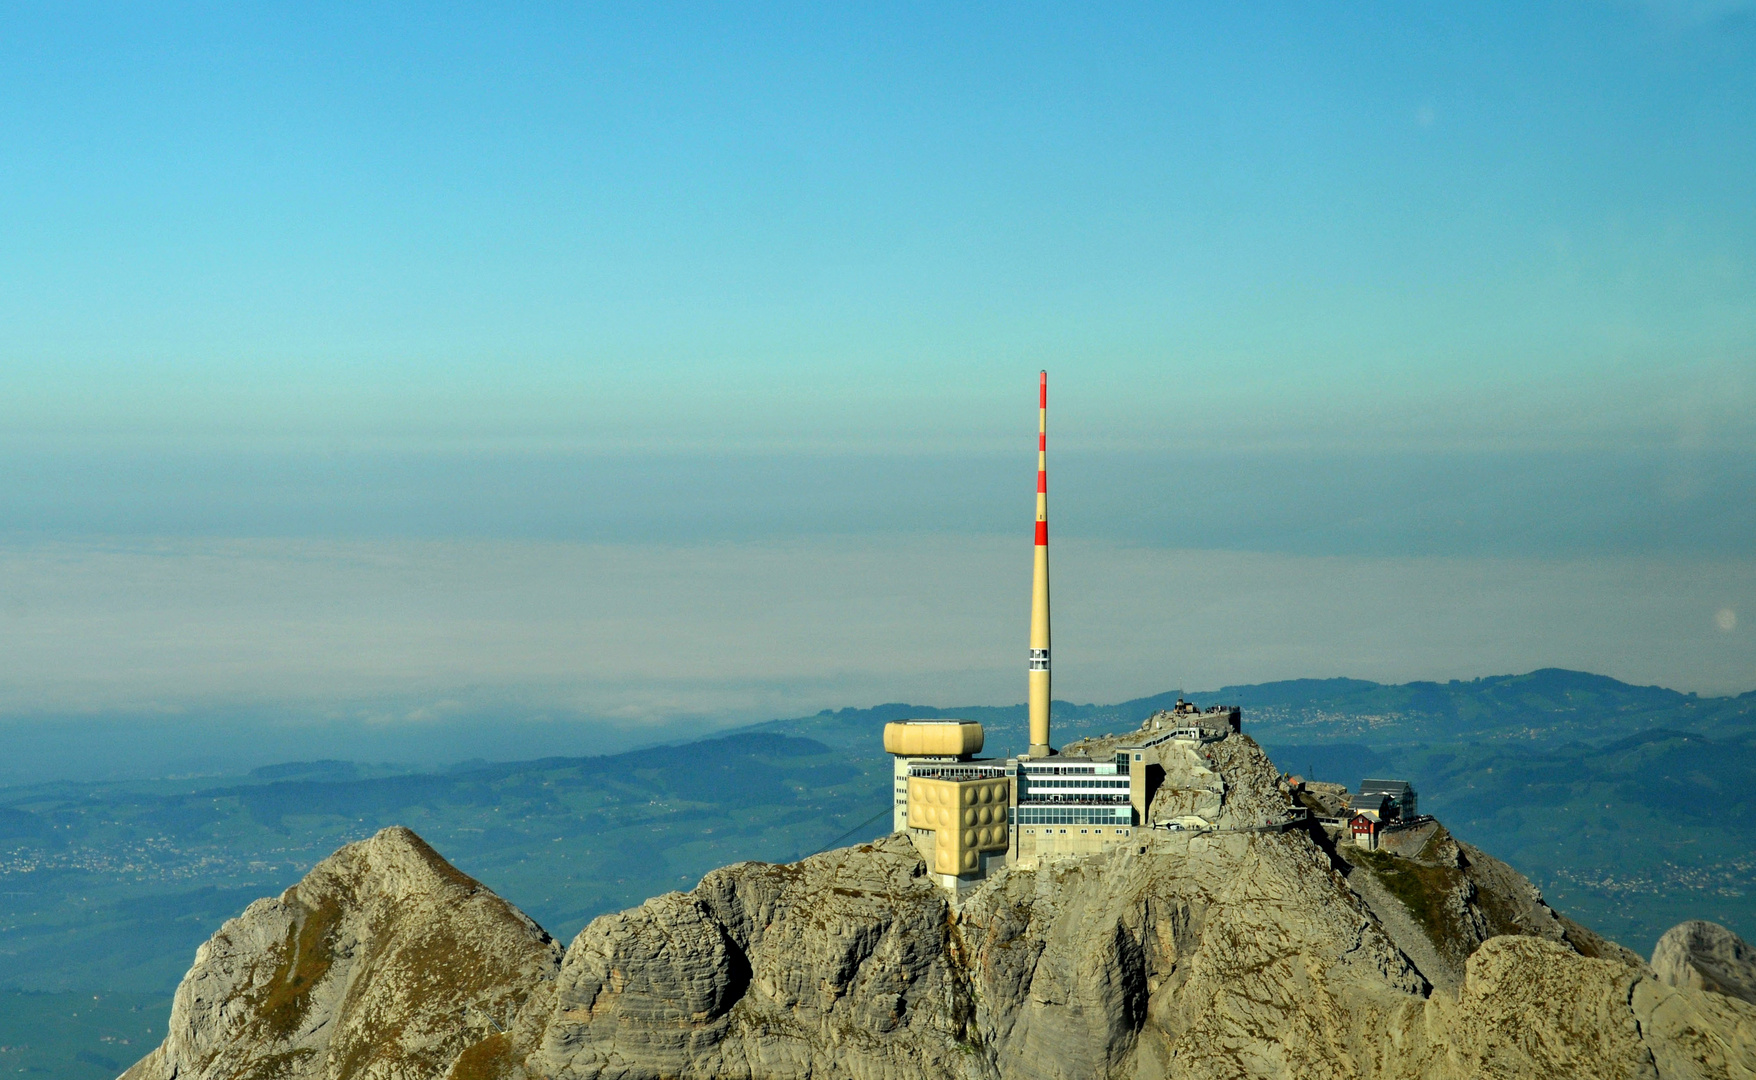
(1238, 944)
(1706, 956)
(1192, 786)
(1694, 1033)
(1247, 950)
(1534, 1008)
(768, 971)
(384, 961)
(1528, 1008)
(1230, 954)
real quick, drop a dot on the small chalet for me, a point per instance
(1365, 826)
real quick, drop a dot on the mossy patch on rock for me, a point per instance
(490, 1059)
(309, 952)
(1428, 892)
(366, 968)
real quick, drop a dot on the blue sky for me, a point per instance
(1463, 288)
(798, 227)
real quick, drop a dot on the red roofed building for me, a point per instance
(1365, 827)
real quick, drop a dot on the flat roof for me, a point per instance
(1374, 787)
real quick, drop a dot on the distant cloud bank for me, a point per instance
(632, 635)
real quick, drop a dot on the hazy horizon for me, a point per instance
(552, 647)
(648, 365)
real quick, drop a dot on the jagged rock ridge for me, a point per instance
(1240, 953)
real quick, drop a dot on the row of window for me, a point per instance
(1073, 815)
(949, 772)
(1088, 798)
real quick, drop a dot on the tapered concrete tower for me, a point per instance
(1039, 588)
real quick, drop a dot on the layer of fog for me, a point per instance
(374, 647)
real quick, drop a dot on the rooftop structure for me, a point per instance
(933, 738)
(1400, 792)
(955, 807)
(929, 743)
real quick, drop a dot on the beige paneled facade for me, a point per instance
(966, 818)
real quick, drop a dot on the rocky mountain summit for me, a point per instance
(383, 961)
(1246, 950)
(1706, 956)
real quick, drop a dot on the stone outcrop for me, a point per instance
(1528, 1007)
(1702, 955)
(1693, 1033)
(1247, 950)
(767, 971)
(1228, 784)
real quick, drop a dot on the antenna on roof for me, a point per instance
(1039, 587)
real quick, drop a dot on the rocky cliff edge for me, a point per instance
(1246, 953)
